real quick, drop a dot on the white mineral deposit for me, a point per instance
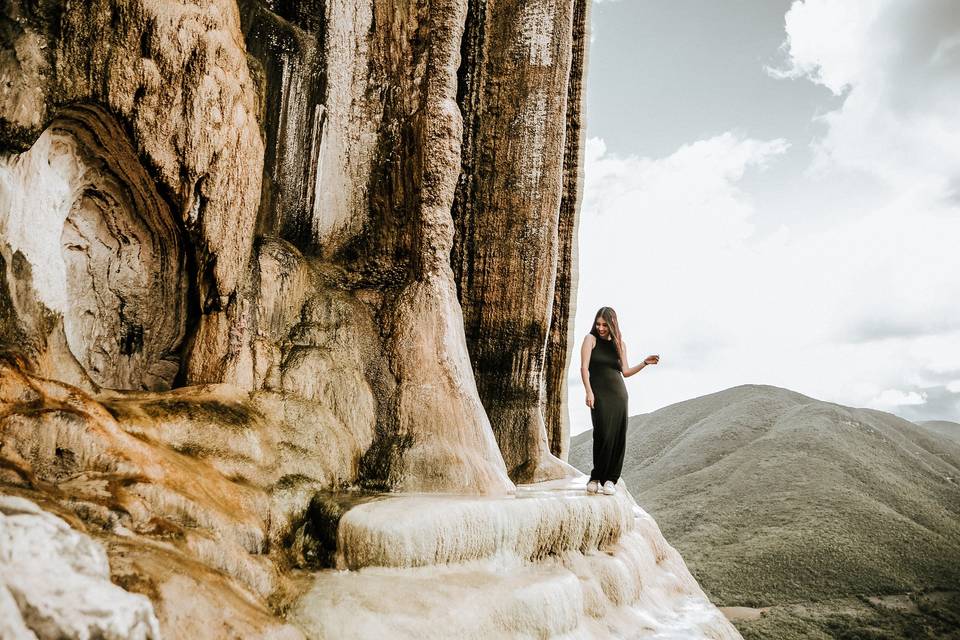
(549, 560)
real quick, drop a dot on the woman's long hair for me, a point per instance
(608, 314)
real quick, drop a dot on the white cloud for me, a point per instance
(889, 398)
(899, 63)
(842, 312)
(695, 183)
(824, 39)
(953, 386)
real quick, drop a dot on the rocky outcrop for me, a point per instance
(374, 200)
(361, 160)
(193, 492)
(55, 582)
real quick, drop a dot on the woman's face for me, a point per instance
(602, 327)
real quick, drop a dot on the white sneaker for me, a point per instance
(609, 488)
(593, 486)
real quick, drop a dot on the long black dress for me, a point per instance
(609, 413)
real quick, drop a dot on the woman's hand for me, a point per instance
(651, 360)
(590, 399)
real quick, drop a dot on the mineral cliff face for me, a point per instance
(507, 263)
(263, 260)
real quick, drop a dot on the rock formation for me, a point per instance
(550, 561)
(103, 253)
(55, 580)
(515, 160)
(260, 258)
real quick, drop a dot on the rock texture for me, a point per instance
(176, 77)
(550, 562)
(104, 252)
(199, 486)
(519, 144)
(370, 209)
(355, 167)
(560, 341)
(58, 582)
(261, 258)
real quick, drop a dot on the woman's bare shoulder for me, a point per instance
(589, 339)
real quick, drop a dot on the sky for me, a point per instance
(772, 196)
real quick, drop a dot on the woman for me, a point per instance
(603, 366)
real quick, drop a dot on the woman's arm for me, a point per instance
(585, 350)
(628, 370)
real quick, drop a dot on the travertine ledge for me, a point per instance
(549, 562)
(537, 521)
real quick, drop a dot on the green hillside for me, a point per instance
(779, 500)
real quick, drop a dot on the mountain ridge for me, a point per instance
(942, 427)
(774, 497)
